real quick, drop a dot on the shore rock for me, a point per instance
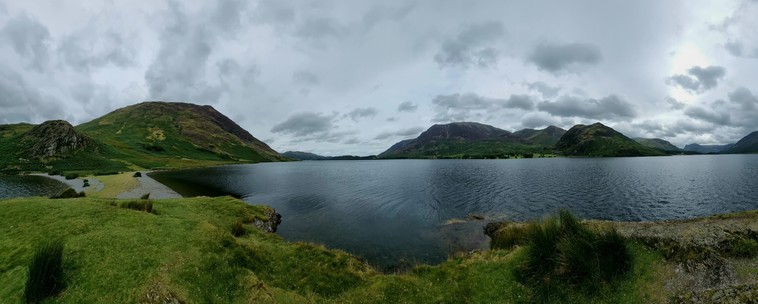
(271, 222)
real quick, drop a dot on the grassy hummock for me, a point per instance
(187, 251)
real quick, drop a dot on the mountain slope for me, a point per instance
(600, 140)
(167, 134)
(298, 155)
(657, 143)
(461, 140)
(707, 148)
(546, 137)
(748, 144)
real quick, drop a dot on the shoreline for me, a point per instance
(145, 185)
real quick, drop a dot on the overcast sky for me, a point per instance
(354, 77)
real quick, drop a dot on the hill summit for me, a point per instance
(54, 138)
(599, 140)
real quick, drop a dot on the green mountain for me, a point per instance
(545, 137)
(657, 143)
(148, 135)
(748, 144)
(463, 140)
(299, 155)
(704, 149)
(600, 140)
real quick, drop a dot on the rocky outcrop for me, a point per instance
(54, 138)
(270, 222)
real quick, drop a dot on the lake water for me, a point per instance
(399, 212)
(29, 185)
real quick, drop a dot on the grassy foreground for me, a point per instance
(186, 251)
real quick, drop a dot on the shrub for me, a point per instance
(137, 174)
(141, 205)
(508, 235)
(745, 248)
(238, 229)
(70, 176)
(85, 185)
(561, 249)
(45, 272)
(68, 193)
(145, 196)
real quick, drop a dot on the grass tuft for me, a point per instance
(140, 205)
(561, 254)
(746, 248)
(45, 272)
(68, 193)
(238, 229)
(145, 196)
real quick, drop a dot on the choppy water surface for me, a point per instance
(396, 212)
(24, 186)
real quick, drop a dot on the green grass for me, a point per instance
(186, 250)
(484, 149)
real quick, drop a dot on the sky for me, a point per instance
(354, 77)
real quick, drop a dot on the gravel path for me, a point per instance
(151, 186)
(77, 183)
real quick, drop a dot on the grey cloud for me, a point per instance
(179, 70)
(538, 120)
(737, 49)
(227, 15)
(460, 107)
(304, 77)
(28, 38)
(352, 141)
(316, 28)
(699, 79)
(556, 58)
(385, 13)
(546, 90)
(84, 51)
(523, 102)
(230, 70)
(608, 107)
(360, 113)
(306, 124)
(275, 12)
(674, 104)
(414, 131)
(21, 102)
(472, 46)
(709, 116)
(744, 98)
(407, 107)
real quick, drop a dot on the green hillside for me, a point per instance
(547, 137)
(657, 143)
(748, 144)
(600, 140)
(169, 135)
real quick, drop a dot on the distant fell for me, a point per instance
(298, 155)
(705, 149)
(462, 140)
(657, 143)
(546, 137)
(748, 144)
(599, 140)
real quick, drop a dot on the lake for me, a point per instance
(396, 213)
(29, 185)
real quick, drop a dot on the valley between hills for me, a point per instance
(223, 250)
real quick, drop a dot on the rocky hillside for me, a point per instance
(547, 137)
(462, 140)
(657, 143)
(707, 148)
(600, 140)
(54, 138)
(165, 134)
(748, 144)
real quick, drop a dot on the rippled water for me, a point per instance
(395, 212)
(24, 186)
